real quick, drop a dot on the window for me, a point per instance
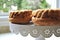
(8, 5)
(53, 3)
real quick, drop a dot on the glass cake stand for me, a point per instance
(38, 32)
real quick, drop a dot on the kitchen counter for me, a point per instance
(11, 36)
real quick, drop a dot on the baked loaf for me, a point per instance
(46, 17)
(22, 16)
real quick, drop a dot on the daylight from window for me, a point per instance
(8, 5)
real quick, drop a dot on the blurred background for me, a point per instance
(6, 5)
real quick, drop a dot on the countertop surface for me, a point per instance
(11, 36)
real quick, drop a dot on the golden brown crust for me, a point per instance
(20, 16)
(48, 17)
(45, 22)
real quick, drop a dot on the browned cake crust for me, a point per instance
(22, 16)
(46, 17)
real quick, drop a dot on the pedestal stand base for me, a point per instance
(35, 31)
(40, 38)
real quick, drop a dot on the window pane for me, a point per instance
(8, 5)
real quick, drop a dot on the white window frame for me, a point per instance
(4, 13)
(4, 21)
(52, 3)
(58, 3)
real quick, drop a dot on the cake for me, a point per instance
(20, 17)
(46, 17)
